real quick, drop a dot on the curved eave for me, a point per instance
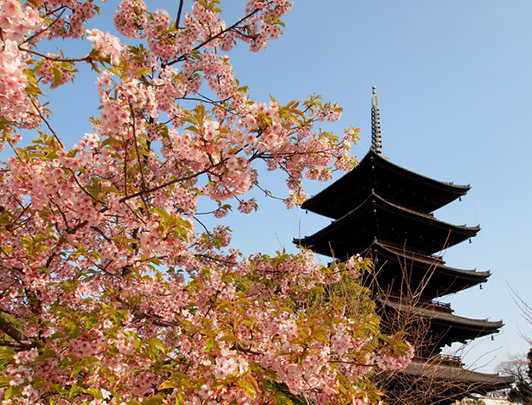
(449, 372)
(379, 218)
(441, 383)
(444, 234)
(338, 198)
(457, 328)
(325, 241)
(423, 272)
(451, 188)
(326, 201)
(473, 275)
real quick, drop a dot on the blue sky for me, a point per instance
(454, 84)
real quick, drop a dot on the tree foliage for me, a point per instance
(112, 288)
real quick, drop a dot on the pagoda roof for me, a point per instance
(427, 275)
(448, 327)
(379, 218)
(437, 382)
(452, 372)
(393, 182)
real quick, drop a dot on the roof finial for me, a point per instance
(376, 142)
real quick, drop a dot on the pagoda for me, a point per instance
(384, 211)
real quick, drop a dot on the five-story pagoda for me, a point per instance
(385, 211)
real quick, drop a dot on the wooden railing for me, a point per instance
(434, 305)
(441, 304)
(451, 360)
(441, 359)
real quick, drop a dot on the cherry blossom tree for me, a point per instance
(112, 289)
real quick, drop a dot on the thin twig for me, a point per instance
(47, 124)
(210, 39)
(169, 183)
(179, 12)
(134, 129)
(56, 59)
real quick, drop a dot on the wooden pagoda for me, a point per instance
(386, 211)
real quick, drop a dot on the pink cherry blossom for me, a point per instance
(116, 289)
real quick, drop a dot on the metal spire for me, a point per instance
(376, 142)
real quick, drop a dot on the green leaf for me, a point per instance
(228, 338)
(155, 400)
(249, 385)
(141, 71)
(96, 393)
(57, 77)
(77, 368)
(8, 393)
(110, 141)
(281, 398)
(73, 391)
(4, 381)
(92, 359)
(37, 383)
(170, 384)
(109, 189)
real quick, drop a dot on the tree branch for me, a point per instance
(16, 335)
(179, 12)
(168, 183)
(210, 39)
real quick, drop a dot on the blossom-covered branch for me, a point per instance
(110, 292)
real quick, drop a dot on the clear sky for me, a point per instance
(454, 83)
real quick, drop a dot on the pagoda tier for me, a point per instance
(399, 271)
(395, 225)
(393, 183)
(441, 381)
(445, 327)
(446, 370)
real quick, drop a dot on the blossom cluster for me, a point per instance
(16, 23)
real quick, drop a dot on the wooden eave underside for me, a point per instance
(394, 182)
(442, 384)
(455, 328)
(377, 218)
(454, 373)
(424, 274)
